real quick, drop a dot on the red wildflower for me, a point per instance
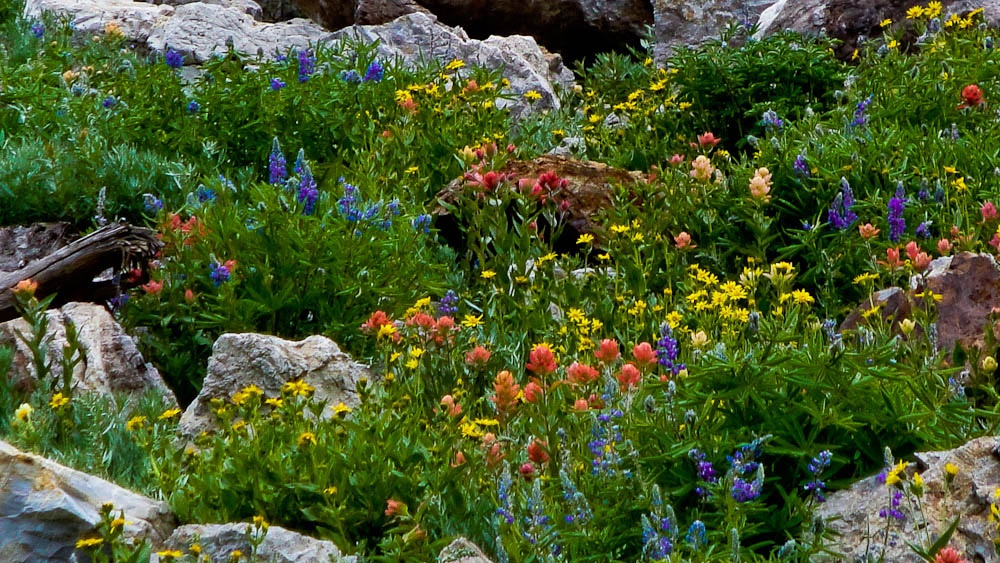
(949, 555)
(538, 451)
(454, 409)
(607, 352)
(459, 459)
(374, 322)
(988, 211)
(629, 376)
(944, 246)
(708, 139)
(533, 392)
(541, 360)
(477, 357)
(153, 287)
(972, 96)
(581, 374)
(527, 471)
(581, 405)
(644, 354)
(394, 507)
(505, 393)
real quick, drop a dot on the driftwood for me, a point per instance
(70, 272)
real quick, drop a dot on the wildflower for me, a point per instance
(541, 360)
(949, 555)
(585, 238)
(375, 72)
(23, 413)
(449, 303)
(800, 166)
(277, 84)
(307, 64)
(988, 211)
(702, 169)
(459, 459)
(972, 96)
(533, 392)
(306, 439)
(109, 102)
(173, 59)
(860, 118)
(924, 229)
(87, 543)
(478, 356)
(59, 401)
(868, 231)
(944, 246)
(708, 139)
(38, 30)
(26, 288)
(297, 388)
(667, 350)
(581, 374)
(760, 185)
(885, 23)
(220, 273)
(989, 364)
(629, 376)
(538, 451)
(897, 225)
(644, 354)
(455, 64)
(169, 414)
(505, 393)
(532, 96)
(893, 511)
(676, 160)
(135, 423)
(276, 166)
(893, 476)
(169, 554)
(770, 120)
(152, 203)
(454, 409)
(395, 508)
(683, 241)
(607, 351)
(193, 107)
(840, 214)
(308, 193)
(527, 471)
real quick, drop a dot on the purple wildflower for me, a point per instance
(38, 30)
(745, 491)
(893, 510)
(800, 166)
(307, 64)
(374, 73)
(897, 225)
(194, 107)
(205, 194)
(449, 303)
(771, 120)
(350, 76)
(173, 58)
(308, 194)
(924, 229)
(422, 222)
(109, 102)
(219, 273)
(152, 203)
(840, 215)
(859, 112)
(696, 537)
(667, 350)
(276, 164)
(504, 484)
(277, 84)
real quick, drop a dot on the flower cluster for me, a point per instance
(840, 215)
(897, 225)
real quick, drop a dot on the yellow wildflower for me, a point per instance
(340, 408)
(884, 24)
(386, 330)
(135, 423)
(802, 297)
(455, 64)
(532, 96)
(23, 412)
(585, 238)
(58, 401)
(169, 554)
(169, 413)
(933, 9)
(893, 477)
(914, 12)
(298, 388)
(472, 321)
(306, 439)
(488, 274)
(89, 542)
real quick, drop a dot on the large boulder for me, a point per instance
(21, 245)
(574, 28)
(46, 507)
(218, 541)
(112, 363)
(462, 551)
(848, 20)
(692, 22)
(89, 17)
(239, 360)
(861, 533)
(419, 37)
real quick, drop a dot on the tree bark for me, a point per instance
(70, 272)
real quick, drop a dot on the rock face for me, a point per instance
(112, 363)
(847, 20)
(418, 37)
(692, 22)
(574, 28)
(269, 362)
(20, 246)
(462, 551)
(217, 541)
(46, 507)
(969, 286)
(589, 190)
(854, 513)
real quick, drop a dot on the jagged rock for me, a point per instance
(848, 20)
(269, 362)
(574, 28)
(218, 541)
(860, 532)
(417, 37)
(46, 507)
(112, 363)
(280, 10)
(462, 551)
(21, 245)
(89, 17)
(969, 286)
(692, 22)
(248, 7)
(199, 31)
(589, 190)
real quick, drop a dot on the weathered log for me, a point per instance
(70, 272)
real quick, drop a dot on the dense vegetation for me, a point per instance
(683, 394)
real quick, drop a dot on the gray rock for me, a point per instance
(217, 541)
(46, 507)
(248, 7)
(112, 363)
(462, 551)
(89, 17)
(268, 362)
(692, 22)
(19, 246)
(853, 514)
(418, 37)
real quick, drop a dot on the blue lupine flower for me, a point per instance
(422, 221)
(800, 166)
(109, 102)
(859, 112)
(893, 510)
(745, 491)
(38, 30)
(667, 350)
(277, 84)
(924, 229)
(840, 215)
(277, 173)
(449, 303)
(504, 483)
(897, 225)
(205, 194)
(152, 203)
(375, 72)
(350, 76)
(308, 193)
(696, 537)
(194, 107)
(173, 58)
(307, 64)
(771, 120)
(219, 273)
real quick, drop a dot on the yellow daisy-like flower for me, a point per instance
(455, 64)
(488, 274)
(135, 423)
(297, 388)
(472, 321)
(585, 238)
(951, 469)
(884, 23)
(340, 408)
(416, 352)
(23, 412)
(118, 523)
(386, 330)
(58, 401)
(169, 554)
(802, 297)
(412, 363)
(959, 184)
(169, 413)
(274, 403)
(914, 12)
(89, 542)
(864, 278)
(933, 9)
(532, 96)
(892, 44)
(893, 477)
(306, 439)
(330, 491)
(951, 170)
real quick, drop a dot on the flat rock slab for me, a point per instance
(46, 507)
(218, 541)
